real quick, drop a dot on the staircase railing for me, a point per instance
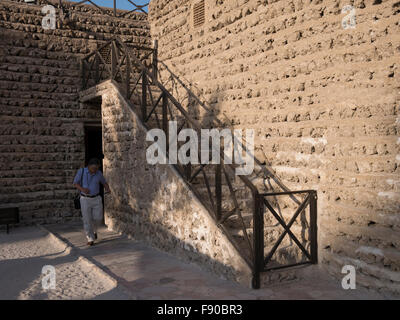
(263, 259)
(136, 71)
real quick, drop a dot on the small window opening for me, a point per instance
(199, 16)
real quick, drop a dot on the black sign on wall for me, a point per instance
(9, 216)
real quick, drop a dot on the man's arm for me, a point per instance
(105, 184)
(107, 188)
(81, 189)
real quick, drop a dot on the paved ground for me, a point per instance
(23, 254)
(147, 273)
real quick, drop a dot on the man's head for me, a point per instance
(93, 165)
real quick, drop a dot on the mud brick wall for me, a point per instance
(152, 212)
(41, 119)
(324, 102)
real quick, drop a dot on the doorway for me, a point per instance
(94, 143)
(94, 148)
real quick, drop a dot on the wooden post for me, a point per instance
(128, 76)
(165, 117)
(155, 60)
(313, 227)
(144, 96)
(218, 190)
(114, 60)
(188, 167)
(258, 239)
(188, 171)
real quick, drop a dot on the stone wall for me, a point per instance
(153, 203)
(41, 119)
(324, 102)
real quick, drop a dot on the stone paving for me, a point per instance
(147, 273)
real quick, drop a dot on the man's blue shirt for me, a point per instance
(90, 181)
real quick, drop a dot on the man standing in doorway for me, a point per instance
(91, 201)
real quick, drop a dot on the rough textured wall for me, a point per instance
(153, 203)
(41, 120)
(324, 102)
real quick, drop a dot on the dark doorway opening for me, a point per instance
(94, 143)
(94, 147)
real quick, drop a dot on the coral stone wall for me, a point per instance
(41, 119)
(324, 102)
